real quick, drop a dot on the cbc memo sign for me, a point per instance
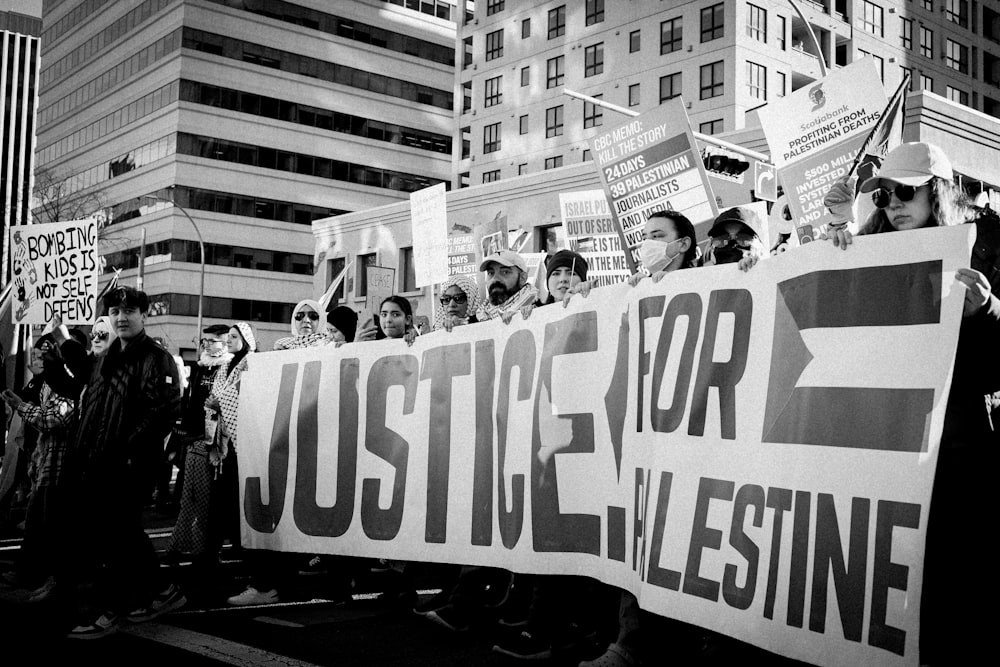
(751, 452)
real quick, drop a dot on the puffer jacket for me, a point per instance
(128, 408)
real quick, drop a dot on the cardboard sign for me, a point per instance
(429, 220)
(54, 269)
(381, 284)
(652, 163)
(590, 231)
(462, 255)
(736, 457)
(816, 132)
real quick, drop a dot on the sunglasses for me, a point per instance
(883, 196)
(457, 298)
(313, 315)
(98, 336)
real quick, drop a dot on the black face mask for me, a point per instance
(728, 253)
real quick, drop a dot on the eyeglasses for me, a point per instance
(457, 298)
(742, 241)
(313, 315)
(98, 336)
(211, 341)
(883, 196)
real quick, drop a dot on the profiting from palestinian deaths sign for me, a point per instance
(651, 163)
(54, 272)
(816, 132)
(590, 230)
(715, 443)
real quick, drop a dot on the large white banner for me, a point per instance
(751, 452)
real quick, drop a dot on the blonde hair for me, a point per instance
(949, 206)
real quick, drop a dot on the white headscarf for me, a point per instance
(320, 336)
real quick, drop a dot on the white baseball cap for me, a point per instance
(911, 164)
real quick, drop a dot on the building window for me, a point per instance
(926, 42)
(670, 87)
(593, 115)
(957, 11)
(633, 95)
(957, 56)
(926, 83)
(523, 124)
(553, 162)
(525, 76)
(525, 28)
(712, 22)
(872, 18)
(928, 5)
(494, 44)
(671, 36)
(904, 72)
(595, 11)
(557, 22)
(906, 33)
(757, 81)
(711, 127)
(587, 156)
(334, 267)
(554, 121)
(493, 91)
(956, 95)
(756, 22)
(494, 6)
(491, 138)
(522, 169)
(712, 80)
(554, 71)
(361, 279)
(593, 58)
(634, 41)
(407, 271)
(780, 85)
(490, 176)
(782, 33)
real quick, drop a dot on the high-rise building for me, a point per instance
(254, 118)
(725, 57)
(19, 94)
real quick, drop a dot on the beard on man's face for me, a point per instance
(499, 293)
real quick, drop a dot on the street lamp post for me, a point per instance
(201, 247)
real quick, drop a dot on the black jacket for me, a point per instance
(128, 408)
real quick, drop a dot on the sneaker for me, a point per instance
(450, 618)
(313, 567)
(169, 600)
(105, 625)
(615, 656)
(251, 596)
(528, 645)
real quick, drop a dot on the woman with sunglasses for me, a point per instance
(102, 334)
(307, 330)
(459, 303)
(912, 190)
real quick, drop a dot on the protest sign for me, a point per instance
(54, 268)
(735, 456)
(590, 231)
(651, 163)
(429, 220)
(380, 285)
(462, 255)
(815, 134)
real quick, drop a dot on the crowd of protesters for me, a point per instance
(95, 450)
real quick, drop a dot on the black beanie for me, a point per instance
(571, 260)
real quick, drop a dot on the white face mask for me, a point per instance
(653, 254)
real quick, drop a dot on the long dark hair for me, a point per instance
(684, 228)
(404, 305)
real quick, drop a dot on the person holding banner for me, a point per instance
(914, 189)
(459, 302)
(564, 271)
(395, 320)
(306, 328)
(507, 286)
(658, 253)
(735, 237)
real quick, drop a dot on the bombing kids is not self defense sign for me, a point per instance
(54, 271)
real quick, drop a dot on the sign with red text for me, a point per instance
(652, 163)
(714, 443)
(815, 133)
(590, 231)
(54, 272)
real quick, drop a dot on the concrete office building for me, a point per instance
(18, 104)
(725, 57)
(256, 118)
